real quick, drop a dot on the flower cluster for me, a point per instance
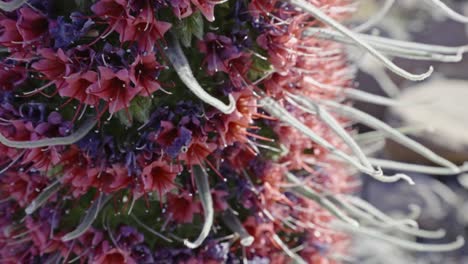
(115, 151)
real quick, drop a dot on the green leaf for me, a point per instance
(139, 110)
(196, 21)
(191, 26)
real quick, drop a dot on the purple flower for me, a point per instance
(45, 6)
(112, 57)
(34, 112)
(142, 254)
(50, 216)
(215, 251)
(184, 136)
(128, 237)
(66, 33)
(172, 255)
(219, 51)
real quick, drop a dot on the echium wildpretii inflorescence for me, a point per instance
(190, 131)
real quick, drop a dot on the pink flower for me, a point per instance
(144, 73)
(206, 7)
(53, 65)
(9, 34)
(77, 86)
(219, 52)
(197, 151)
(159, 176)
(31, 24)
(181, 8)
(114, 12)
(114, 88)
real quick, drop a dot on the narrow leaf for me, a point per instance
(89, 218)
(42, 198)
(201, 181)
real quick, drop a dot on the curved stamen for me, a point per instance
(433, 170)
(328, 119)
(394, 134)
(406, 244)
(295, 257)
(320, 15)
(397, 48)
(276, 110)
(375, 18)
(449, 12)
(305, 191)
(362, 96)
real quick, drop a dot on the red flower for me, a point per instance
(22, 187)
(31, 24)
(159, 176)
(182, 207)
(75, 174)
(12, 77)
(115, 256)
(77, 85)
(144, 73)
(111, 179)
(114, 88)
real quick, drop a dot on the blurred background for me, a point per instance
(436, 114)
